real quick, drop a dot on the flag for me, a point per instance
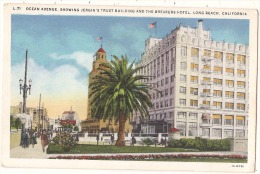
(152, 25)
(99, 38)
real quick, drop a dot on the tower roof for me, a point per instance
(101, 50)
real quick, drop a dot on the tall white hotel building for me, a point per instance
(203, 85)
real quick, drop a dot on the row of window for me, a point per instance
(216, 93)
(216, 81)
(216, 119)
(160, 116)
(216, 104)
(218, 56)
(163, 104)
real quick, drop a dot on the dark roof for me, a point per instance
(101, 50)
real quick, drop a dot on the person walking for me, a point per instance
(133, 141)
(33, 139)
(44, 140)
(112, 139)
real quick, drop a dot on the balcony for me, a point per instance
(205, 124)
(206, 83)
(206, 71)
(203, 106)
(206, 59)
(206, 94)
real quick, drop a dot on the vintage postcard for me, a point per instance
(129, 88)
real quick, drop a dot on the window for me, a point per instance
(162, 82)
(217, 70)
(193, 129)
(194, 79)
(182, 127)
(207, 53)
(217, 82)
(183, 78)
(161, 105)
(181, 115)
(206, 91)
(228, 133)
(241, 84)
(194, 103)
(229, 120)
(194, 67)
(166, 103)
(230, 83)
(229, 105)
(194, 52)
(230, 58)
(205, 132)
(230, 71)
(171, 102)
(229, 94)
(206, 103)
(240, 133)
(194, 91)
(172, 78)
(241, 95)
(217, 93)
(182, 89)
(217, 119)
(171, 90)
(182, 102)
(171, 115)
(193, 115)
(153, 95)
(216, 133)
(241, 73)
(241, 59)
(218, 56)
(183, 65)
(166, 92)
(183, 51)
(157, 105)
(166, 80)
(217, 105)
(240, 121)
(241, 106)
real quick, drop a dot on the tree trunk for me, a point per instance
(121, 133)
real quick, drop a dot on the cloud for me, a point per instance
(83, 59)
(59, 83)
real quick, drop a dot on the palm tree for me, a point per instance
(117, 92)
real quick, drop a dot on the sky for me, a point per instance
(61, 49)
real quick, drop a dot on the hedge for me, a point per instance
(201, 144)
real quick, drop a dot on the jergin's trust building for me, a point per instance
(203, 85)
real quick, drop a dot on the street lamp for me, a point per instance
(25, 88)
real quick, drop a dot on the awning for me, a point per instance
(206, 116)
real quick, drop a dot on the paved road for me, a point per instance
(30, 152)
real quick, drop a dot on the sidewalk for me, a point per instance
(30, 152)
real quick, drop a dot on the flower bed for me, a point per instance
(149, 157)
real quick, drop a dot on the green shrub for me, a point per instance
(201, 144)
(64, 140)
(148, 141)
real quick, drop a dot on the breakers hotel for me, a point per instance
(202, 85)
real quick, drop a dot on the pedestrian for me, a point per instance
(133, 140)
(77, 137)
(112, 139)
(97, 138)
(26, 139)
(44, 140)
(33, 139)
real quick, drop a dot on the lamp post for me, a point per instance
(25, 88)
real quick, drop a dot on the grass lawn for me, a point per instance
(94, 149)
(15, 138)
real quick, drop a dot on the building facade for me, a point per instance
(202, 83)
(39, 116)
(68, 116)
(91, 124)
